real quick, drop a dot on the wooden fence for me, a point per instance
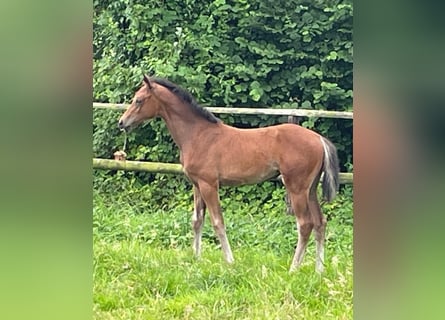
(160, 167)
(255, 111)
(175, 168)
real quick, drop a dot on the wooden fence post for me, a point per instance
(293, 119)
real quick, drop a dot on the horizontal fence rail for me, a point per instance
(255, 111)
(160, 167)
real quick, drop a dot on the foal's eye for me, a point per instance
(138, 102)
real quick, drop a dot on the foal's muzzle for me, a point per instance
(121, 125)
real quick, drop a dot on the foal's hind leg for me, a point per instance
(288, 204)
(197, 220)
(319, 232)
(286, 198)
(319, 226)
(304, 224)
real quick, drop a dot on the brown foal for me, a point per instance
(214, 154)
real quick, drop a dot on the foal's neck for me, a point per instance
(182, 122)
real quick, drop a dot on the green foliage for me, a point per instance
(243, 53)
(262, 53)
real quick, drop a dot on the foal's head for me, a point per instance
(143, 107)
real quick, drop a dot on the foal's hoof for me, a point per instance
(229, 260)
(319, 270)
(292, 269)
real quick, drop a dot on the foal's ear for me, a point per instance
(147, 81)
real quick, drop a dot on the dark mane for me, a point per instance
(186, 97)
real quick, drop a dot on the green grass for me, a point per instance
(144, 266)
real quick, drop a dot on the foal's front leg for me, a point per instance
(209, 193)
(197, 220)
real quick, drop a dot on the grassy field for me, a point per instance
(144, 266)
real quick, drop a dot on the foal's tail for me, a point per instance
(330, 168)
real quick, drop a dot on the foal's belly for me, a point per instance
(247, 177)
